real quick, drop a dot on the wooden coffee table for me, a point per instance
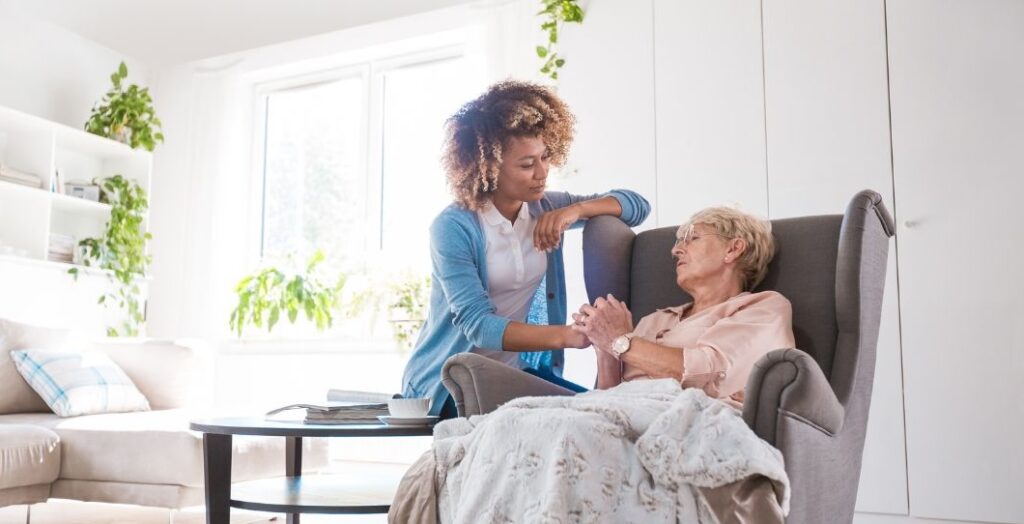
(292, 494)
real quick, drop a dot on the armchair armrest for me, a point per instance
(479, 385)
(788, 382)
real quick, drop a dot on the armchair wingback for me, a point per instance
(812, 402)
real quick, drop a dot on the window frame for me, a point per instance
(373, 73)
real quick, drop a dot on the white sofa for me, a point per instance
(147, 458)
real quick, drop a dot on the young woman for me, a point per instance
(496, 252)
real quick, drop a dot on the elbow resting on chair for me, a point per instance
(788, 382)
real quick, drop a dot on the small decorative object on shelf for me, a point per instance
(126, 114)
(122, 250)
(83, 190)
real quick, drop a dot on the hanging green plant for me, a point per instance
(555, 14)
(126, 114)
(266, 294)
(122, 250)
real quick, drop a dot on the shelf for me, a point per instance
(79, 205)
(358, 492)
(56, 266)
(94, 145)
(63, 267)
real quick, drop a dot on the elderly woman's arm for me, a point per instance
(723, 356)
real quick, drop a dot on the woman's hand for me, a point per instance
(575, 339)
(603, 322)
(551, 225)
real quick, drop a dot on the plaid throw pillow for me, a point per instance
(75, 384)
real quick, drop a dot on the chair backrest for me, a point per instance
(804, 270)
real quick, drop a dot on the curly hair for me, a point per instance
(476, 135)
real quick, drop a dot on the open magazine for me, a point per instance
(342, 407)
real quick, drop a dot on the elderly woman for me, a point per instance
(713, 342)
(496, 252)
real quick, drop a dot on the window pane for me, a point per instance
(417, 101)
(315, 187)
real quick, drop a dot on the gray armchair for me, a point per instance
(811, 403)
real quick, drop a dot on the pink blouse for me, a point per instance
(720, 345)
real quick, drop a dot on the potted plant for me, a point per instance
(122, 250)
(270, 292)
(126, 114)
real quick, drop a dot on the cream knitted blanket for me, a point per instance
(634, 453)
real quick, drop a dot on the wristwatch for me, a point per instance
(621, 344)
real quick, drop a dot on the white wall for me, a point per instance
(53, 73)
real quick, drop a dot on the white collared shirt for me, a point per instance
(514, 268)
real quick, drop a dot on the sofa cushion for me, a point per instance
(16, 396)
(75, 384)
(29, 455)
(156, 447)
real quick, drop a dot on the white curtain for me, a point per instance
(505, 34)
(200, 199)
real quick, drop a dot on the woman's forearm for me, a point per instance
(608, 205)
(529, 337)
(655, 360)
(609, 370)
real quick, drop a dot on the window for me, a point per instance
(350, 161)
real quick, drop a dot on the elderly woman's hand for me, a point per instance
(603, 322)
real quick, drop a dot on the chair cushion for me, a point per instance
(16, 396)
(156, 447)
(29, 455)
(75, 384)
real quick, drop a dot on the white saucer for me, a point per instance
(408, 421)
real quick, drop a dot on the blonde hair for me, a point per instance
(757, 233)
(476, 135)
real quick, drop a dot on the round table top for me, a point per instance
(297, 428)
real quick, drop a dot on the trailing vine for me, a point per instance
(122, 250)
(555, 14)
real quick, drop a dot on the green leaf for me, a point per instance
(542, 51)
(122, 70)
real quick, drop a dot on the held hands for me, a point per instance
(574, 339)
(603, 322)
(552, 224)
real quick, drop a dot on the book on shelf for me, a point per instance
(61, 248)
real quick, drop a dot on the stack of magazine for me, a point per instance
(343, 407)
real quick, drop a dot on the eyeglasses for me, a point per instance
(691, 235)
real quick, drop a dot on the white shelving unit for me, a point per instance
(37, 290)
(28, 216)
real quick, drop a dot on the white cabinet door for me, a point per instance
(709, 106)
(826, 106)
(608, 81)
(957, 87)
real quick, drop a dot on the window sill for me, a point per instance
(308, 346)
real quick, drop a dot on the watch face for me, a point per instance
(620, 345)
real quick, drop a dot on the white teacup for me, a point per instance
(409, 407)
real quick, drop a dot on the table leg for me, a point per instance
(217, 468)
(293, 466)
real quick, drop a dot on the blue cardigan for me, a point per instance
(461, 314)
